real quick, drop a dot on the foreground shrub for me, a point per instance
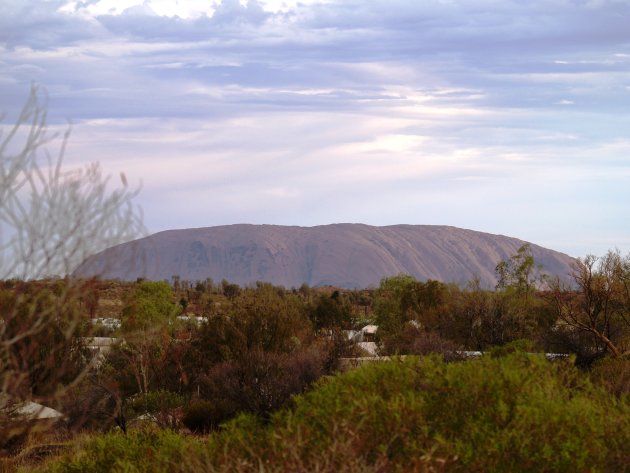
(613, 374)
(513, 413)
(140, 451)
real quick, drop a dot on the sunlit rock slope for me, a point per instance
(345, 255)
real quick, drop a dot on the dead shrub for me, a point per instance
(260, 382)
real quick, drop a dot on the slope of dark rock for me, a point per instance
(346, 255)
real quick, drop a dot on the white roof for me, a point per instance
(370, 329)
(100, 341)
(34, 410)
(107, 321)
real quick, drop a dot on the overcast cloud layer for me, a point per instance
(502, 116)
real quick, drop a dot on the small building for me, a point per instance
(365, 339)
(108, 322)
(195, 319)
(369, 347)
(366, 334)
(100, 347)
(29, 410)
(369, 333)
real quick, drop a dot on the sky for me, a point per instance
(501, 116)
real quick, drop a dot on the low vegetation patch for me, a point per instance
(510, 413)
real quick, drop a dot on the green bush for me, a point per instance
(518, 412)
(613, 374)
(513, 413)
(140, 451)
(516, 346)
(155, 402)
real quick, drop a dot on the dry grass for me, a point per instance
(37, 448)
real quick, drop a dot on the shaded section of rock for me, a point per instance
(344, 255)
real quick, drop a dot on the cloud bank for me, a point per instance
(496, 115)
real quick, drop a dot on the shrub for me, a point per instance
(414, 340)
(139, 451)
(516, 346)
(613, 374)
(513, 413)
(261, 382)
(159, 406)
(91, 404)
(518, 412)
(155, 402)
(203, 416)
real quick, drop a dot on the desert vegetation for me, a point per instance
(181, 375)
(51, 219)
(212, 376)
(510, 412)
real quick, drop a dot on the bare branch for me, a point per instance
(51, 219)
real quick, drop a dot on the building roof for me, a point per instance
(370, 329)
(100, 341)
(36, 411)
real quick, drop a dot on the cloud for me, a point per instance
(41, 25)
(494, 114)
(232, 11)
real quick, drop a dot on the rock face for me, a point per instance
(344, 255)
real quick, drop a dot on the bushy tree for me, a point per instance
(330, 311)
(600, 307)
(516, 312)
(149, 306)
(147, 326)
(401, 301)
(260, 382)
(252, 357)
(519, 272)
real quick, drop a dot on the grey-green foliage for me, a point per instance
(519, 272)
(514, 413)
(402, 300)
(149, 307)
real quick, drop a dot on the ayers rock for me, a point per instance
(344, 255)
